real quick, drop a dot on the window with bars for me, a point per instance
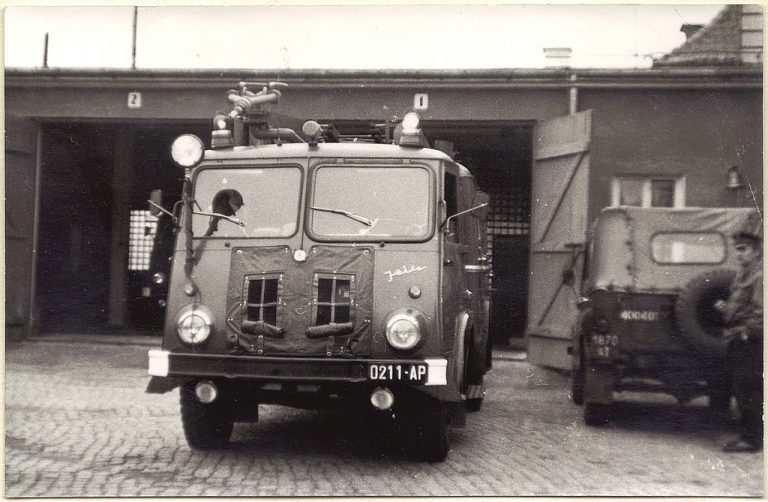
(334, 299)
(262, 298)
(510, 209)
(510, 212)
(648, 191)
(141, 239)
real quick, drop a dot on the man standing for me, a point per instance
(743, 314)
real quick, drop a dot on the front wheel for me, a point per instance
(206, 426)
(433, 432)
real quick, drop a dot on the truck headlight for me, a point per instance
(403, 330)
(194, 324)
(187, 150)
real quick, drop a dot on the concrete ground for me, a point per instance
(78, 424)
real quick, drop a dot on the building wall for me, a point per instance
(696, 124)
(297, 104)
(696, 133)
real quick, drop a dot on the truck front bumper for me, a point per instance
(165, 364)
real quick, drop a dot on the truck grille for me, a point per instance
(334, 299)
(262, 299)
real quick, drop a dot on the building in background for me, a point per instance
(552, 146)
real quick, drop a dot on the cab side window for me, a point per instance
(450, 194)
(451, 198)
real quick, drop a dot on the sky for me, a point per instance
(347, 36)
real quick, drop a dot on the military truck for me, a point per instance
(647, 321)
(317, 270)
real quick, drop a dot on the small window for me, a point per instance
(262, 298)
(334, 299)
(688, 247)
(649, 191)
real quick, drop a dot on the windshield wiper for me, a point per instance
(348, 214)
(223, 217)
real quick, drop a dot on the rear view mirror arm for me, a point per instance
(164, 210)
(447, 222)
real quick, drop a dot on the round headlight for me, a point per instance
(187, 150)
(403, 331)
(158, 278)
(194, 326)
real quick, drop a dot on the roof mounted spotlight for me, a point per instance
(411, 123)
(313, 131)
(410, 132)
(221, 136)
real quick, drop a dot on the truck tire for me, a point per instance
(578, 379)
(433, 432)
(475, 361)
(700, 323)
(206, 426)
(475, 403)
(474, 370)
(596, 414)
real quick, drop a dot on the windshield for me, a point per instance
(246, 202)
(688, 247)
(371, 202)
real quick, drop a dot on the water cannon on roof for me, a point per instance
(249, 118)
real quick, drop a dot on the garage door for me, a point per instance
(558, 233)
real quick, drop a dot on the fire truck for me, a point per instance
(316, 270)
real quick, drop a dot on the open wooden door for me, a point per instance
(558, 234)
(21, 138)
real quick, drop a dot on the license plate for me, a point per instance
(408, 373)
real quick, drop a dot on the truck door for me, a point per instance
(453, 282)
(558, 233)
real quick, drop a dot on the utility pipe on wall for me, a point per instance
(45, 52)
(133, 51)
(573, 95)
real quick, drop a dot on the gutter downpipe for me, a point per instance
(573, 95)
(31, 328)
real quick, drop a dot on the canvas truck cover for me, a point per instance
(295, 330)
(628, 245)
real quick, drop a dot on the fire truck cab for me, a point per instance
(316, 272)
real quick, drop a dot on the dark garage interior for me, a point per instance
(95, 176)
(500, 157)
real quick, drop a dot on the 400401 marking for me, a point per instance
(639, 315)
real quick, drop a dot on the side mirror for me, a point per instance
(156, 205)
(470, 210)
(482, 201)
(155, 202)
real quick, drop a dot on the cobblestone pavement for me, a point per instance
(78, 424)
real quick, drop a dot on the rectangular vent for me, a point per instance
(334, 300)
(262, 299)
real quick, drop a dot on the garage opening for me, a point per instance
(500, 156)
(93, 238)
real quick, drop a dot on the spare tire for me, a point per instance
(699, 322)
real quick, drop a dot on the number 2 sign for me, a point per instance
(134, 100)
